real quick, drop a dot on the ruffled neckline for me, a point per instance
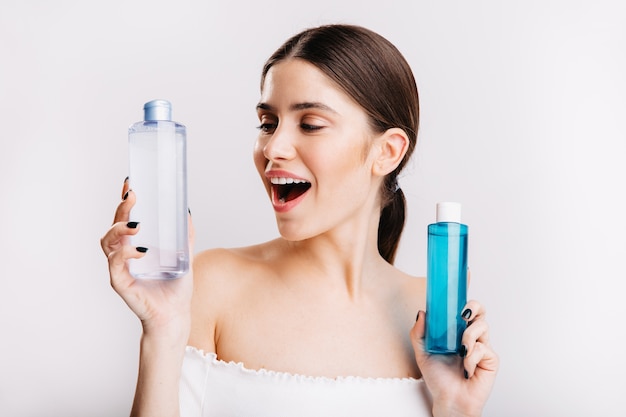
(212, 359)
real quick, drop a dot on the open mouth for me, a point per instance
(288, 189)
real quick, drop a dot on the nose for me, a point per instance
(279, 145)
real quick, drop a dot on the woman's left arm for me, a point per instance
(459, 385)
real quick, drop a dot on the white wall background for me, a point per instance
(523, 121)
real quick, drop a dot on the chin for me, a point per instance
(291, 232)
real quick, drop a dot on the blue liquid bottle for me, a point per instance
(158, 177)
(446, 293)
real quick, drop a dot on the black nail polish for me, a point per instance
(141, 249)
(418, 316)
(465, 374)
(126, 179)
(467, 314)
(189, 210)
(132, 225)
(125, 196)
(463, 351)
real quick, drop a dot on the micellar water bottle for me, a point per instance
(158, 177)
(446, 280)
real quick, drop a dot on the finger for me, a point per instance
(482, 359)
(478, 332)
(123, 209)
(417, 338)
(115, 236)
(472, 310)
(118, 266)
(125, 187)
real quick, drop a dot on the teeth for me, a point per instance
(283, 181)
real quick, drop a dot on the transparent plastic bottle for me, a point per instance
(158, 177)
(446, 292)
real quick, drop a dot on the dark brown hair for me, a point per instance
(372, 71)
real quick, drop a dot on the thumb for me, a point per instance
(417, 338)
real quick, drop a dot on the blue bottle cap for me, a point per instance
(157, 110)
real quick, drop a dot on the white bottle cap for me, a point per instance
(448, 212)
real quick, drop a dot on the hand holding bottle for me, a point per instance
(459, 384)
(161, 305)
(451, 340)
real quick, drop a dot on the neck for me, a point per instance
(344, 258)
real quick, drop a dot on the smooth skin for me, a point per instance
(164, 310)
(319, 300)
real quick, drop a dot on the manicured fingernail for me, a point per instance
(126, 179)
(465, 374)
(189, 210)
(125, 196)
(132, 225)
(463, 351)
(418, 316)
(467, 314)
(141, 249)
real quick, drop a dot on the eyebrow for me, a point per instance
(299, 106)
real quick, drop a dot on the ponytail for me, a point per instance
(391, 224)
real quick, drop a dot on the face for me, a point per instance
(313, 152)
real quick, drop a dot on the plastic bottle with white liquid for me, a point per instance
(158, 177)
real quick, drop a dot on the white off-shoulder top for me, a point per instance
(212, 387)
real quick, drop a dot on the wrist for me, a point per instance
(174, 331)
(449, 410)
(162, 351)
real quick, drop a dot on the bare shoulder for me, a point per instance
(221, 278)
(414, 285)
(222, 269)
(411, 289)
(215, 263)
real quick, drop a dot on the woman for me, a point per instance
(318, 321)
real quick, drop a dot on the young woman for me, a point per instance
(318, 321)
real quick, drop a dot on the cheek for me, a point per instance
(354, 157)
(339, 163)
(355, 166)
(259, 158)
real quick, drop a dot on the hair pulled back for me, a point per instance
(372, 71)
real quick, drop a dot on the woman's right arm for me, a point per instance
(163, 307)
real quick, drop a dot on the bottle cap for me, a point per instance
(157, 110)
(448, 212)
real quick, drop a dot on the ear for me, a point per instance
(391, 147)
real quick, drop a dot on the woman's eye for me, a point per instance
(309, 128)
(267, 127)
